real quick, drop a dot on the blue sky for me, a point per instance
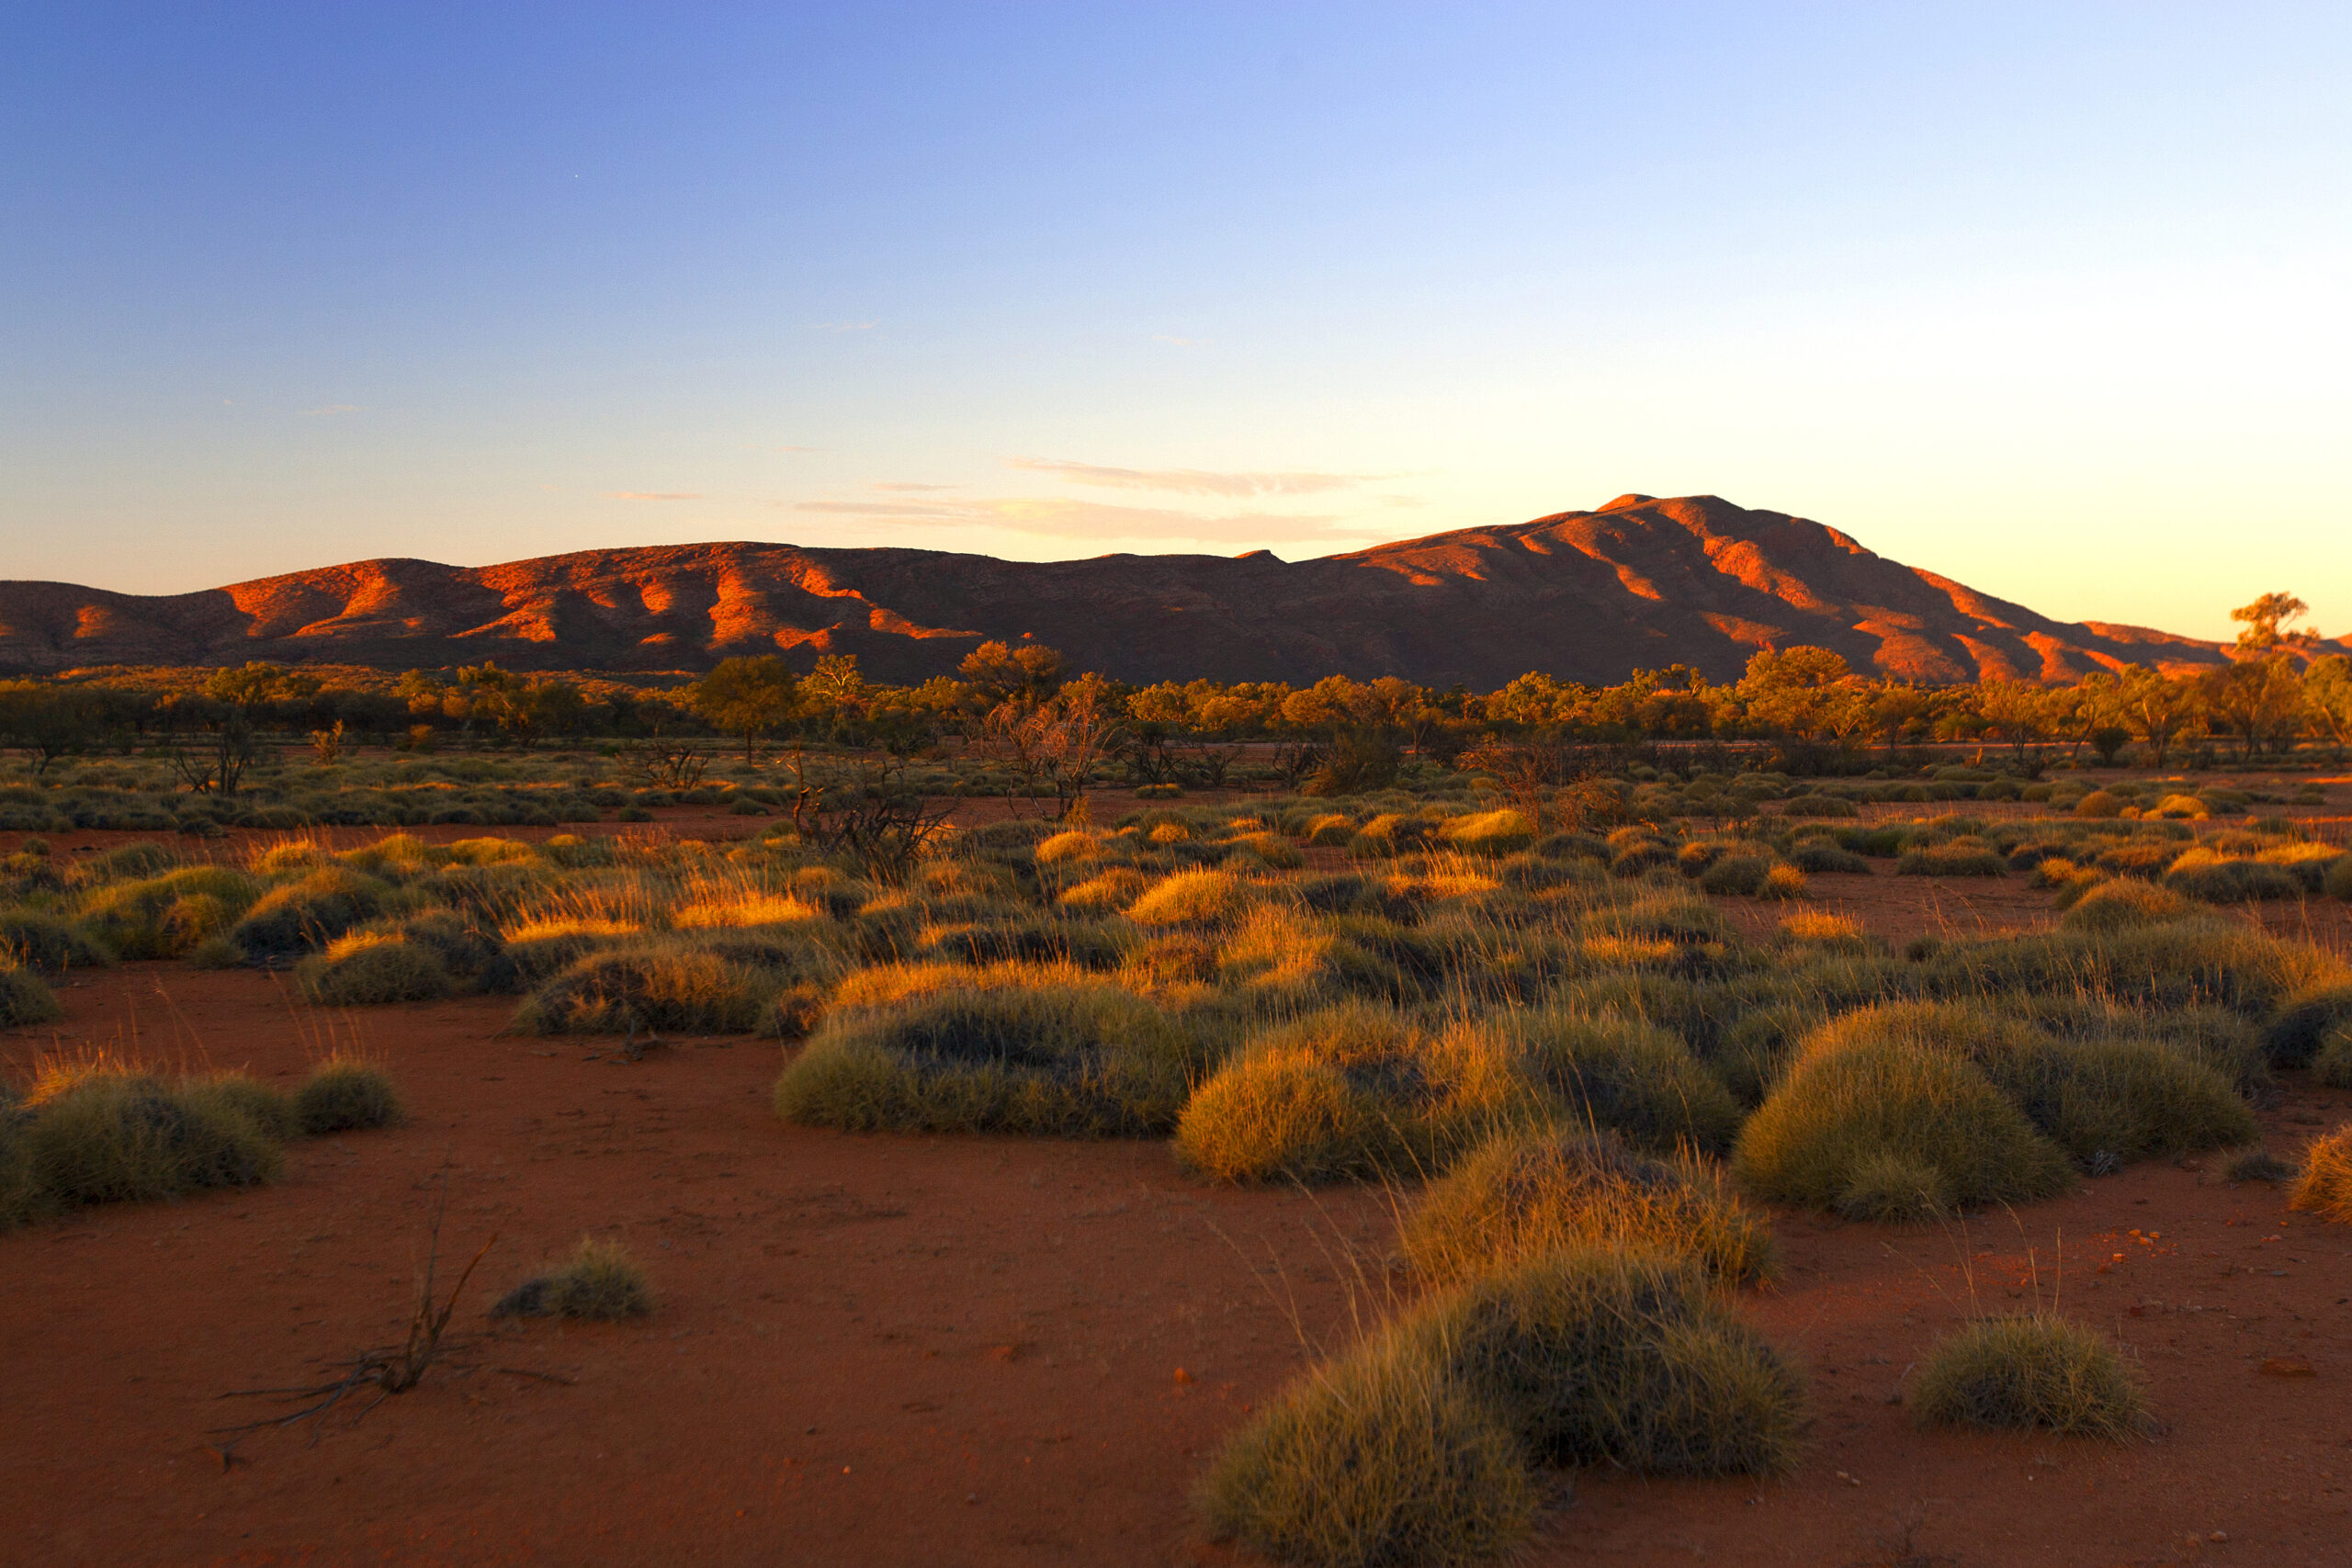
(2050, 298)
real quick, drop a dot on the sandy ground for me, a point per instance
(887, 1350)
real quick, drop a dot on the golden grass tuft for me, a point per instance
(2039, 1372)
(1193, 899)
(1526, 1195)
(2325, 1188)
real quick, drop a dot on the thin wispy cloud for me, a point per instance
(1093, 520)
(903, 489)
(1192, 481)
(654, 495)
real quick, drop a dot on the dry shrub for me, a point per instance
(2255, 1164)
(1524, 1196)
(1630, 1077)
(1112, 889)
(2325, 1186)
(2303, 1022)
(1824, 857)
(1737, 875)
(346, 1094)
(2101, 803)
(1332, 830)
(1078, 844)
(2220, 879)
(110, 1134)
(746, 909)
(1269, 849)
(1499, 833)
(43, 942)
(1834, 934)
(664, 983)
(371, 968)
(1081, 1058)
(165, 916)
(2123, 902)
(1193, 899)
(1351, 1091)
(1782, 882)
(2337, 882)
(600, 1282)
(241, 1095)
(1832, 1127)
(2039, 1372)
(2198, 962)
(2106, 1100)
(308, 914)
(1381, 1462)
(2333, 1064)
(24, 999)
(1961, 857)
(1283, 1114)
(1596, 1356)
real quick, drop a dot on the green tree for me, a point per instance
(748, 698)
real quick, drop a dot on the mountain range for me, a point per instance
(1583, 596)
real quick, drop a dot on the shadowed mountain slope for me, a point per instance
(1583, 595)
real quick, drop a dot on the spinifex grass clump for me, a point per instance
(599, 1282)
(1355, 1090)
(1382, 1460)
(24, 999)
(2123, 902)
(2106, 1100)
(369, 968)
(300, 916)
(48, 943)
(109, 1134)
(1891, 1130)
(344, 1094)
(1630, 1077)
(1596, 1356)
(1065, 1056)
(2299, 1031)
(2325, 1186)
(2035, 1371)
(677, 982)
(1417, 1447)
(1524, 1196)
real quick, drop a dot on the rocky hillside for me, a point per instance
(1584, 595)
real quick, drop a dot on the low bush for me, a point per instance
(111, 1135)
(344, 1094)
(2122, 902)
(1499, 833)
(1193, 899)
(1526, 1195)
(673, 983)
(2337, 882)
(46, 944)
(2039, 1372)
(2219, 879)
(1350, 1090)
(2101, 803)
(1959, 858)
(1595, 1356)
(24, 999)
(1069, 1060)
(2325, 1188)
(308, 914)
(2255, 1164)
(1738, 875)
(599, 1282)
(366, 969)
(1630, 1077)
(1844, 1121)
(1381, 1462)
(2305, 1020)
(2332, 1066)
(1822, 857)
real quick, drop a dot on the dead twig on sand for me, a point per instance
(388, 1371)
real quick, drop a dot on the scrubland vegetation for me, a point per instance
(1496, 977)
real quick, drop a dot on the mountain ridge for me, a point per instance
(1583, 595)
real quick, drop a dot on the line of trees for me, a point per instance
(1021, 704)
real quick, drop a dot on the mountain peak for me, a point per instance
(1587, 596)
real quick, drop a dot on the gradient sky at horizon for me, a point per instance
(2054, 298)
